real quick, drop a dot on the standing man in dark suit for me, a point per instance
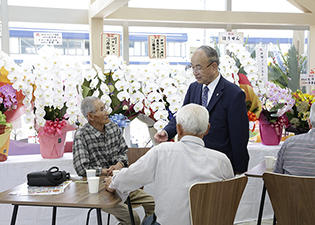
(225, 101)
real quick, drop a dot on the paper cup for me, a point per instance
(90, 173)
(93, 184)
(270, 162)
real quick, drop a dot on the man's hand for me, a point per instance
(108, 181)
(160, 136)
(110, 170)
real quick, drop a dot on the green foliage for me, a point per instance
(53, 113)
(286, 69)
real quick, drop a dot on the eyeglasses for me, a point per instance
(198, 68)
(102, 109)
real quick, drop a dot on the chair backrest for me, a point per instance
(216, 203)
(292, 198)
(135, 153)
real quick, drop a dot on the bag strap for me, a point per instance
(50, 172)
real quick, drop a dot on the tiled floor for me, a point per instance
(264, 222)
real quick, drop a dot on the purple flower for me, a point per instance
(7, 98)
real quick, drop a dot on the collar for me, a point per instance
(213, 84)
(193, 139)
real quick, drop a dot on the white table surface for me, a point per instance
(13, 172)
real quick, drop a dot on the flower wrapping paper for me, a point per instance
(52, 145)
(4, 141)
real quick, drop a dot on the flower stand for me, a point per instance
(4, 141)
(269, 135)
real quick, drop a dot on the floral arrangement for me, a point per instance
(276, 102)
(155, 90)
(51, 88)
(300, 112)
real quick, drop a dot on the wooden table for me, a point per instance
(76, 195)
(258, 172)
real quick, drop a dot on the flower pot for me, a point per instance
(52, 146)
(4, 142)
(269, 135)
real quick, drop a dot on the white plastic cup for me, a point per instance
(115, 172)
(270, 162)
(90, 173)
(94, 183)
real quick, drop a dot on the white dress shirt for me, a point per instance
(173, 167)
(212, 87)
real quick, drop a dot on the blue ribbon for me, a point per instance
(120, 119)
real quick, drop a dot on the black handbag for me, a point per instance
(51, 177)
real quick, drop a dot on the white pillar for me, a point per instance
(125, 46)
(5, 27)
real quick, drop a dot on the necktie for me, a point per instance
(205, 96)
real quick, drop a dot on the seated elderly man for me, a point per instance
(174, 167)
(297, 154)
(100, 145)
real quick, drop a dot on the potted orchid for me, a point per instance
(152, 93)
(276, 102)
(52, 95)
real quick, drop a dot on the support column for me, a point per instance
(298, 41)
(125, 46)
(5, 40)
(95, 31)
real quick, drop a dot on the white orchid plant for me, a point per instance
(155, 90)
(241, 60)
(51, 88)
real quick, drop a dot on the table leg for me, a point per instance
(53, 222)
(261, 207)
(130, 211)
(14, 214)
(99, 216)
(274, 220)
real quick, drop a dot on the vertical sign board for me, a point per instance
(157, 46)
(110, 44)
(47, 38)
(307, 79)
(262, 64)
(231, 37)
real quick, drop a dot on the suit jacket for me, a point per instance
(229, 127)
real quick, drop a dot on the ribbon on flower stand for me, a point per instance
(52, 138)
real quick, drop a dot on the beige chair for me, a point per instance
(135, 153)
(216, 203)
(292, 198)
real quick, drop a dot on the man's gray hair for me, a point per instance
(87, 105)
(193, 118)
(211, 53)
(312, 115)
